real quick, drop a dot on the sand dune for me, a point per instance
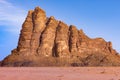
(60, 73)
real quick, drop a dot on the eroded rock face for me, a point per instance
(47, 37)
(73, 39)
(39, 19)
(25, 36)
(62, 40)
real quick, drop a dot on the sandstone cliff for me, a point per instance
(48, 42)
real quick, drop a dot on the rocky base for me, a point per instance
(88, 59)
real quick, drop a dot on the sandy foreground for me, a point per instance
(60, 73)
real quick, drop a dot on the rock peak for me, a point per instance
(52, 17)
(30, 11)
(47, 41)
(39, 9)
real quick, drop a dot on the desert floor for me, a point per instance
(60, 73)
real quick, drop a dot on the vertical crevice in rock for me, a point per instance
(25, 36)
(47, 39)
(78, 42)
(54, 50)
(61, 42)
(39, 20)
(40, 40)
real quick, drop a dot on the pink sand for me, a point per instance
(60, 73)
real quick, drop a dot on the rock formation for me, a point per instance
(48, 42)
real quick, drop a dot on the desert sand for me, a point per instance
(60, 73)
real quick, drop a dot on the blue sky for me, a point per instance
(98, 18)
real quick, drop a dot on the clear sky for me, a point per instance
(98, 18)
